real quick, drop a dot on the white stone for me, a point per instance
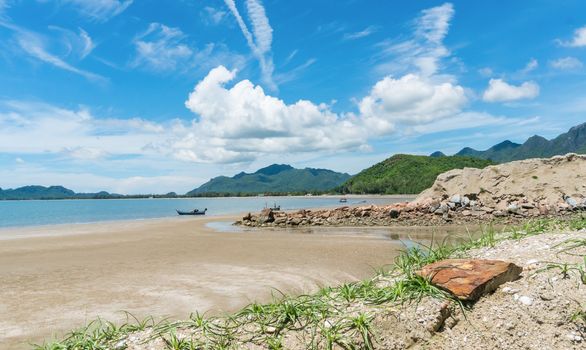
(525, 300)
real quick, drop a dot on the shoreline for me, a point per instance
(75, 273)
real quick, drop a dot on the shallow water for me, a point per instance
(43, 212)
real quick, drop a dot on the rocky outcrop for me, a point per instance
(507, 192)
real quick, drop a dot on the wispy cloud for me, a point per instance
(567, 63)
(36, 45)
(99, 10)
(361, 34)
(80, 43)
(282, 78)
(160, 48)
(260, 39)
(424, 50)
(532, 65)
(212, 15)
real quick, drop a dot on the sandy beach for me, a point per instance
(57, 278)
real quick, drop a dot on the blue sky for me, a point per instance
(139, 97)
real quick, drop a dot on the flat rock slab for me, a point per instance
(469, 279)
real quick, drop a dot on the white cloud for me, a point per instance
(579, 39)
(160, 48)
(88, 44)
(79, 43)
(19, 160)
(242, 121)
(567, 63)
(486, 72)
(213, 16)
(424, 51)
(500, 91)
(530, 66)
(410, 99)
(35, 46)
(84, 153)
(259, 43)
(99, 10)
(361, 34)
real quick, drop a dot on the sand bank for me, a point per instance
(57, 278)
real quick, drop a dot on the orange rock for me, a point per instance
(469, 279)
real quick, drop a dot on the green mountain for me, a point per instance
(276, 178)
(52, 192)
(406, 174)
(535, 147)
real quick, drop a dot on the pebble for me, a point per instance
(509, 290)
(525, 300)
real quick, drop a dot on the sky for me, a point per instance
(151, 97)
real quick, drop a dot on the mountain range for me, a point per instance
(276, 178)
(573, 141)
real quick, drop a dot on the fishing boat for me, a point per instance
(343, 200)
(275, 207)
(192, 212)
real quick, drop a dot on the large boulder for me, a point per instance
(266, 216)
(469, 279)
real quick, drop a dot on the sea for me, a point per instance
(51, 212)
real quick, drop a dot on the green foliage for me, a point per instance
(406, 174)
(272, 179)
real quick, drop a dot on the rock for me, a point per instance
(525, 300)
(456, 199)
(571, 201)
(513, 208)
(266, 216)
(465, 201)
(469, 279)
(394, 213)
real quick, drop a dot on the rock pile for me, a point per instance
(507, 192)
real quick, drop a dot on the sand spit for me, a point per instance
(505, 193)
(58, 278)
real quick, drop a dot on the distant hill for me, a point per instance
(573, 141)
(437, 154)
(406, 174)
(60, 192)
(276, 178)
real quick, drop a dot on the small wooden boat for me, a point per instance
(192, 212)
(343, 200)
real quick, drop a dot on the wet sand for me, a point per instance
(57, 278)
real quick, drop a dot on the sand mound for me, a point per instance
(552, 182)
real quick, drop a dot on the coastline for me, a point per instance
(71, 274)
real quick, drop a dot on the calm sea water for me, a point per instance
(34, 213)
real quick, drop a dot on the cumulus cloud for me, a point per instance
(500, 91)
(567, 63)
(260, 39)
(579, 39)
(99, 10)
(410, 99)
(244, 120)
(160, 48)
